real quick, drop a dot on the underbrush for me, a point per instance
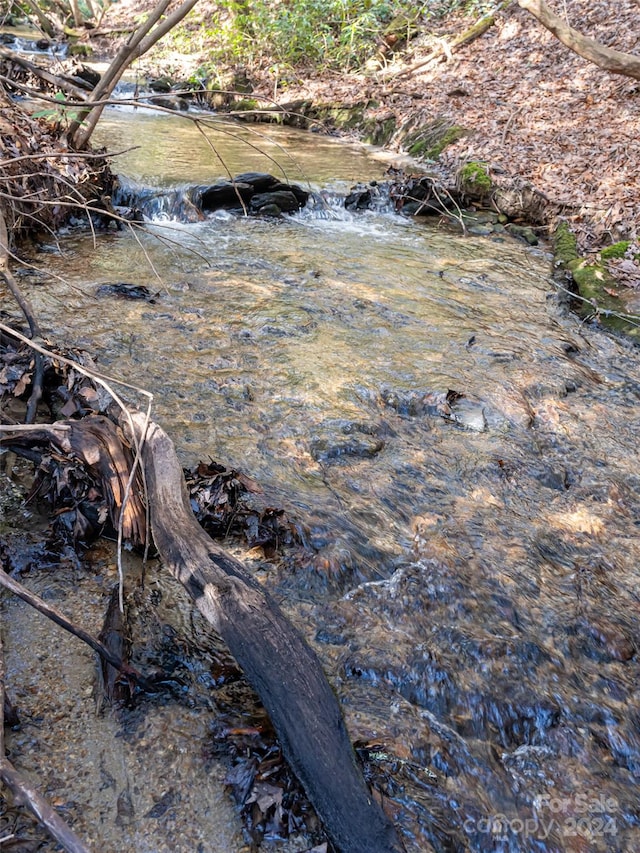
(325, 34)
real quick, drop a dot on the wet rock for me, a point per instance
(260, 181)
(285, 200)
(127, 291)
(350, 439)
(170, 102)
(222, 194)
(358, 199)
(160, 84)
(525, 233)
(555, 479)
(468, 413)
(607, 641)
(270, 210)
(359, 447)
(249, 192)
(450, 405)
(131, 214)
(480, 230)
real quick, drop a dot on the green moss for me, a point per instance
(246, 105)
(337, 115)
(593, 281)
(379, 132)
(589, 278)
(79, 49)
(616, 250)
(524, 232)
(474, 180)
(430, 140)
(452, 135)
(565, 245)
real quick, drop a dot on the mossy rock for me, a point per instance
(334, 115)
(593, 281)
(245, 105)
(473, 180)
(523, 232)
(428, 141)
(589, 278)
(79, 49)
(616, 250)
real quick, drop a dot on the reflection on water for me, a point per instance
(170, 150)
(475, 604)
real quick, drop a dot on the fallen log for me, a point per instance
(276, 660)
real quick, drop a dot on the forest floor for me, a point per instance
(535, 112)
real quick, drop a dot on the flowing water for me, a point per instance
(473, 594)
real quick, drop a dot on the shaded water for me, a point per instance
(474, 592)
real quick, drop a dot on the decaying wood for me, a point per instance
(279, 664)
(98, 443)
(109, 686)
(56, 81)
(26, 794)
(615, 61)
(274, 657)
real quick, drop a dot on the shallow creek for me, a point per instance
(474, 591)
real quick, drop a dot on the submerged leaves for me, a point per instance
(219, 503)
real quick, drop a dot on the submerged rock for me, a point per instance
(347, 439)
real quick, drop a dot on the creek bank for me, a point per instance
(302, 706)
(45, 183)
(606, 284)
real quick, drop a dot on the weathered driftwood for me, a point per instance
(276, 660)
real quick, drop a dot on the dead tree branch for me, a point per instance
(56, 80)
(607, 58)
(446, 48)
(276, 660)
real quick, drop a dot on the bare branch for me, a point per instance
(140, 42)
(615, 61)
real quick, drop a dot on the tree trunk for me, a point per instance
(611, 60)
